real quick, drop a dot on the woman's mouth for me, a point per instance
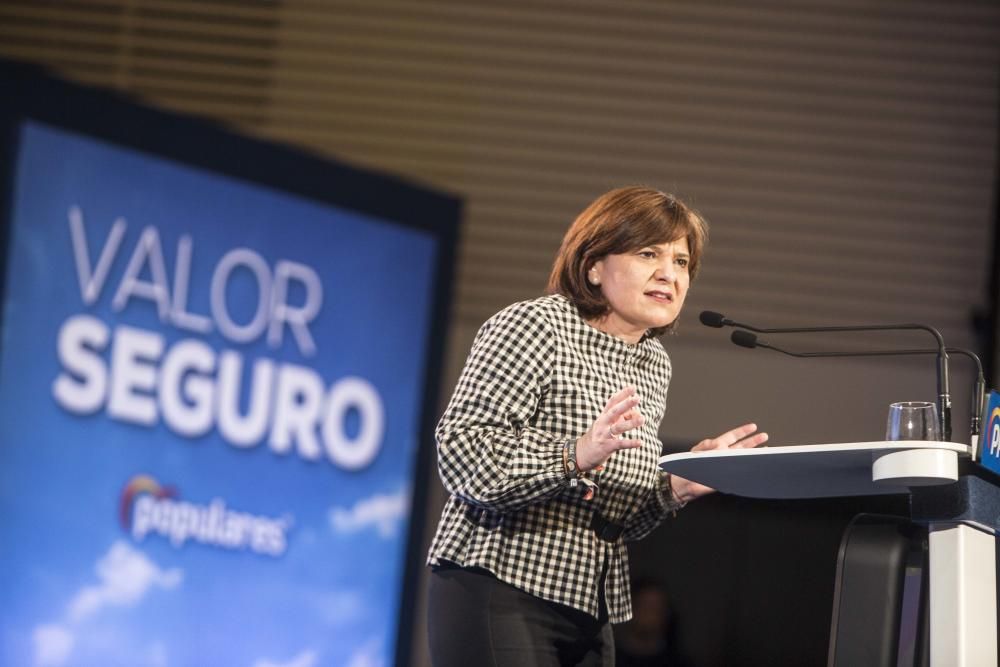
(665, 297)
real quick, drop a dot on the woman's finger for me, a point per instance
(736, 434)
(628, 422)
(619, 396)
(625, 444)
(736, 437)
(621, 408)
(753, 441)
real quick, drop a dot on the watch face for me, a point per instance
(569, 456)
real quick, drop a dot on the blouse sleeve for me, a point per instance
(489, 454)
(659, 503)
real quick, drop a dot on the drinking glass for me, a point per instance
(912, 420)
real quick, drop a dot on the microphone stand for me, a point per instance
(716, 320)
(745, 339)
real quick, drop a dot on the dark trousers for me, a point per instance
(476, 619)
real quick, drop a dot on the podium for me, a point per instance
(962, 512)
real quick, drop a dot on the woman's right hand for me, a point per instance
(603, 438)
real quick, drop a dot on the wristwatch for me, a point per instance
(572, 468)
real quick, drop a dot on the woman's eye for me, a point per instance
(648, 254)
(682, 262)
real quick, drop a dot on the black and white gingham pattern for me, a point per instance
(538, 375)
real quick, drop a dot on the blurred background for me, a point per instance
(844, 153)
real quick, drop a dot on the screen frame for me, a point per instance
(33, 94)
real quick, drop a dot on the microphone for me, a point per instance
(717, 320)
(749, 340)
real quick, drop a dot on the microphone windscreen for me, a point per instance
(744, 338)
(711, 319)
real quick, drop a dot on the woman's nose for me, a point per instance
(665, 271)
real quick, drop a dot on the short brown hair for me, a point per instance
(617, 222)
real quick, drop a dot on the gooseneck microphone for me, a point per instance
(747, 339)
(717, 320)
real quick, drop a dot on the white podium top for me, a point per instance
(803, 471)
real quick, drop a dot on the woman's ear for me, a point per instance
(594, 274)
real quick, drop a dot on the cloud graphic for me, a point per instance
(125, 575)
(53, 644)
(337, 607)
(369, 655)
(305, 659)
(383, 511)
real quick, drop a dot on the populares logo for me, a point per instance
(147, 507)
(992, 434)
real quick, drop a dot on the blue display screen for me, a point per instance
(210, 404)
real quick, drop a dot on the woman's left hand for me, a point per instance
(741, 437)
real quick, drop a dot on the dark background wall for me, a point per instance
(845, 153)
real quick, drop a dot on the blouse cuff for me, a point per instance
(669, 501)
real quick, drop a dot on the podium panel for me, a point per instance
(962, 524)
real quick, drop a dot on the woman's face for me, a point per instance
(645, 288)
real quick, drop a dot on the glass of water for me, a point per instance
(912, 420)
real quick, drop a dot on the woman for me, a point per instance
(549, 445)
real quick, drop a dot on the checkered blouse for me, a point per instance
(538, 375)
